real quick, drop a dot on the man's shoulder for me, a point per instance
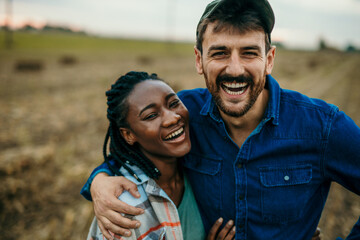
(195, 94)
(194, 99)
(301, 102)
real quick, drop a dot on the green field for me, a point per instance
(53, 121)
(57, 42)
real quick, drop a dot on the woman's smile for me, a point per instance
(175, 136)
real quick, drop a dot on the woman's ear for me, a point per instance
(128, 135)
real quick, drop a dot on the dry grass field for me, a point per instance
(52, 121)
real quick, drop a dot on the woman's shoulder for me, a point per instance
(127, 198)
(140, 180)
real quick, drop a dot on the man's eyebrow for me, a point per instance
(147, 107)
(222, 48)
(216, 48)
(253, 47)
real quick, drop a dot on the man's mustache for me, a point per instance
(238, 79)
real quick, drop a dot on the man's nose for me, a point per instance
(235, 66)
(170, 118)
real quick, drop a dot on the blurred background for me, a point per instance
(57, 59)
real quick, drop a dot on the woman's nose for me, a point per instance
(170, 118)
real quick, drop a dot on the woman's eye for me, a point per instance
(150, 116)
(174, 103)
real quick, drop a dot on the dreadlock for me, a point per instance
(123, 153)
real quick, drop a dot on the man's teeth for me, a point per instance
(235, 85)
(175, 134)
(234, 88)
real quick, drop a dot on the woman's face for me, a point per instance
(158, 120)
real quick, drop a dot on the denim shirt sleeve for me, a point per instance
(342, 157)
(85, 191)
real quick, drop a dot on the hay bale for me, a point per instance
(29, 65)
(145, 60)
(67, 60)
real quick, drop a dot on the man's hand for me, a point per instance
(227, 233)
(105, 191)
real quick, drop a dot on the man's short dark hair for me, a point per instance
(238, 16)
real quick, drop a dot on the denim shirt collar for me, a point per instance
(272, 109)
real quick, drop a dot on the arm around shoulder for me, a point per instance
(85, 191)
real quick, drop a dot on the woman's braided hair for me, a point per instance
(118, 106)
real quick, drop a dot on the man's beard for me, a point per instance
(253, 89)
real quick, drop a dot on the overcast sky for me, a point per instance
(299, 23)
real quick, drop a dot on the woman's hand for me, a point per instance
(227, 233)
(105, 191)
(316, 235)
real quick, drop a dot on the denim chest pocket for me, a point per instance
(205, 171)
(285, 192)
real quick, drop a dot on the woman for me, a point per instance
(149, 133)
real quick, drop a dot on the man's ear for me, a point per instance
(270, 57)
(198, 61)
(128, 135)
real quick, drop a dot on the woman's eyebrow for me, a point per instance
(169, 96)
(147, 107)
(153, 104)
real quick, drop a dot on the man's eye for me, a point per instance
(174, 103)
(250, 53)
(218, 54)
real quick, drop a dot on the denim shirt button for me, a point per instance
(286, 178)
(239, 165)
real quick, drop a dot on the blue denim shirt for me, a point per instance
(274, 186)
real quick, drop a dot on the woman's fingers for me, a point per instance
(225, 231)
(214, 229)
(231, 234)
(316, 235)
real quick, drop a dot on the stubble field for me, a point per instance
(53, 122)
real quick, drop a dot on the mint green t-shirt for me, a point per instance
(190, 219)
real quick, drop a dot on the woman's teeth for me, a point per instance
(175, 134)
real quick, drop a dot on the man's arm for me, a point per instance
(108, 208)
(342, 157)
(104, 190)
(103, 168)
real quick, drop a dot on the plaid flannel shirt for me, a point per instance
(160, 219)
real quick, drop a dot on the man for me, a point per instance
(261, 155)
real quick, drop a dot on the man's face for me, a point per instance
(235, 66)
